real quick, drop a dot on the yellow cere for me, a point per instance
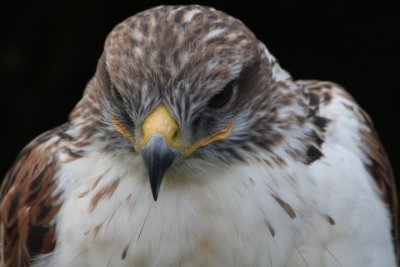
(160, 122)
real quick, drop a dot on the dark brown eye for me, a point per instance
(223, 97)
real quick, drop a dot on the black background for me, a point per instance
(49, 51)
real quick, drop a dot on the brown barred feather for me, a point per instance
(320, 94)
(29, 202)
(381, 171)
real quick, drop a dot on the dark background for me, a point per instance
(49, 51)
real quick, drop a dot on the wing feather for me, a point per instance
(30, 202)
(326, 98)
(381, 171)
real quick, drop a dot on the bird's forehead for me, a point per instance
(172, 41)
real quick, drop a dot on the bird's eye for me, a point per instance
(223, 97)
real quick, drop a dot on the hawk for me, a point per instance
(192, 147)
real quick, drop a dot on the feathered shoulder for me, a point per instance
(332, 102)
(30, 200)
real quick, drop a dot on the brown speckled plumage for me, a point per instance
(30, 201)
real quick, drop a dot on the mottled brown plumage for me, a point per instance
(30, 202)
(320, 94)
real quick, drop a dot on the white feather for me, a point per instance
(224, 216)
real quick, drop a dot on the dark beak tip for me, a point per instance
(155, 187)
(157, 158)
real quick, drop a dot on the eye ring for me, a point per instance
(223, 97)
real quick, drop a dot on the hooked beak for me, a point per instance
(157, 158)
(161, 143)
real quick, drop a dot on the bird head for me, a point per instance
(178, 83)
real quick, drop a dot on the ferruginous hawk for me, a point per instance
(192, 147)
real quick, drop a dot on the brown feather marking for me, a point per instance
(98, 179)
(96, 230)
(107, 191)
(328, 218)
(270, 228)
(286, 207)
(377, 162)
(380, 170)
(123, 255)
(318, 95)
(83, 194)
(28, 206)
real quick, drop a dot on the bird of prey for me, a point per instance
(192, 147)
